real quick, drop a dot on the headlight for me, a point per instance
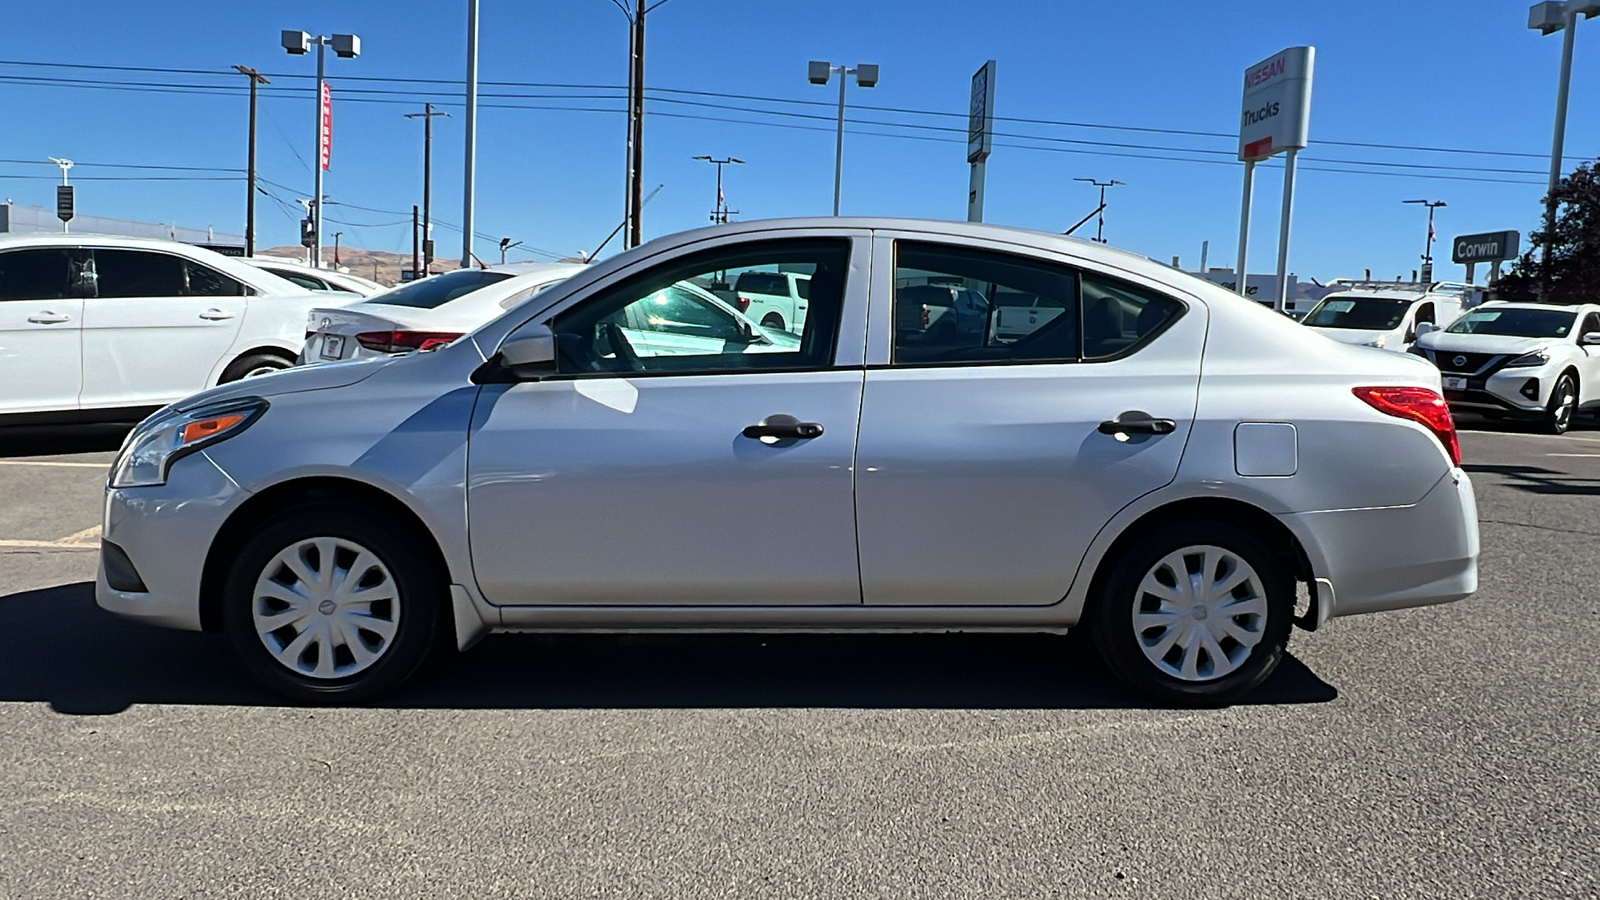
(151, 449)
(1536, 358)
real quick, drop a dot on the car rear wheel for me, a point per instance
(773, 320)
(1563, 403)
(1195, 613)
(253, 364)
(330, 607)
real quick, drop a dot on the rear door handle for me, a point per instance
(782, 427)
(48, 318)
(1137, 423)
(215, 315)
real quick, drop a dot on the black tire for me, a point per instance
(1111, 615)
(1563, 405)
(773, 320)
(254, 364)
(417, 611)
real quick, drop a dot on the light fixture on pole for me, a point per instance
(427, 114)
(720, 212)
(1548, 18)
(1427, 250)
(345, 46)
(819, 72)
(1100, 226)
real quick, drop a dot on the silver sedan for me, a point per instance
(1119, 446)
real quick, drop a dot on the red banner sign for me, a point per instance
(325, 130)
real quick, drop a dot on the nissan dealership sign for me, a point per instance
(1276, 114)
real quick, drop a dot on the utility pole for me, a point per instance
(256, 78)
(1100, 226)
(414, 271)
(426, 116)
(634, 182)
(470, 187)
(720, 211)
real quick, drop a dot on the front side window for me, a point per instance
(665, 320)
(138, 273)
(959, 305)
(46, 274)
(1533, 323)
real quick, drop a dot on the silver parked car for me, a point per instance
(1158, 460)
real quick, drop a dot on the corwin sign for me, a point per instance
(1493, 246)
(1276, 112)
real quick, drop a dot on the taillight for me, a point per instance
(1420, 405)
(742, 302)
(924, 315)
(402, 341)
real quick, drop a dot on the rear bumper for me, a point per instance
(1397, 557)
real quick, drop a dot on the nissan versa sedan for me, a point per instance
(1159, 461)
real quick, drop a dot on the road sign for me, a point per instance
(64, 202)
(980, 117)
(1493, 246)
(325, 132)
(1276, 111)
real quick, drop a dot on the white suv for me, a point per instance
(1520, 360)
(99, 328)
(774, 299)
(1382, 315)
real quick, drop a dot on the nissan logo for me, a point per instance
(1460, 362)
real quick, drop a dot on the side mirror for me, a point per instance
(1590, 338)
(1425, 328)
(530, 351)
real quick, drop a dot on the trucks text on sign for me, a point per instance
(1276, 112)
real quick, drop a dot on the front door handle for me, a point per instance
(1137, 423)
(781, 427)
(48, 318)
(215, 315)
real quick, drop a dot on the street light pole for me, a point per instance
(1427, 249)
(819, 72)
(345, 46)
(1100, 226)
(256, 78)
(719, 212)
(426, 116)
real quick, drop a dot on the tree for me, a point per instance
(1564, 258)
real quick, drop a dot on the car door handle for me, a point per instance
(215, 315)
(1137, 423)
(48, 318)
(783, 427)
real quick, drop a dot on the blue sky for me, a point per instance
(1460, 75)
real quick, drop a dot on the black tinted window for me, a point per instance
(138, 273)
(1118, 316)
(438, 290)
(300, 280)
(36, 275)
(763, 283)
(205, 281)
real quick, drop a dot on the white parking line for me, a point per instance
(64, 465)
(1576, 455)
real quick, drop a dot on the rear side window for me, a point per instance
(762, 283)
(36, 275)
(437, 290)
(205, 281)
(305, 281)
(138, 273)
(1118, 316)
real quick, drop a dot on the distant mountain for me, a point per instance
(379, 265)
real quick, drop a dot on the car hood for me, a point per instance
(290, 381)
(1350, 335)
(1446, 342)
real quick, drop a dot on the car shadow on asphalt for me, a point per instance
(18, 440)
(60, 648)
(1537, 480)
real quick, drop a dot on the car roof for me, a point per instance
(236, 266)
(1567, 307)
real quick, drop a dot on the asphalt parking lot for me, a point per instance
(1443, 752)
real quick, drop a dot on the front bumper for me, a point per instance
(166, 532)
(1520, 391)
(1397, 557)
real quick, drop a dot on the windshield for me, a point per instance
(437, 290)
(1533, 323)
(1367, 313)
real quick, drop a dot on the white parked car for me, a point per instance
(1388, 317)
(425, 314)
(774, 299)
(1525, 361)
(315, 279)
(108, 328)
(1133, 465)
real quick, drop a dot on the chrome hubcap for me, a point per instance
(1568, 400)
(326, 607)
(1199, 612)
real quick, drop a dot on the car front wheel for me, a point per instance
(1195, 613)
(330, 607)
(1563, 401)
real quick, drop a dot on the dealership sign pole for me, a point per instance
(1275, 118)
(980, 137)
(1491, 247)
